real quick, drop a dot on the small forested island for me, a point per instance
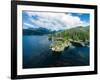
(78, 36)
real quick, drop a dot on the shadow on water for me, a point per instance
(69, 57)
(76, 56)
(55, 58)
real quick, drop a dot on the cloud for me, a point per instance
(29, 25)
(54, 21)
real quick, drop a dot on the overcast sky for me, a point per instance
(54, 21)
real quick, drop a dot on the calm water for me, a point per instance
(36, 54)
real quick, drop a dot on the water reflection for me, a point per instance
(37, 54)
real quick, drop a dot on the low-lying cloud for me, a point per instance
(53, 21)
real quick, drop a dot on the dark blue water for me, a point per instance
(36, 54)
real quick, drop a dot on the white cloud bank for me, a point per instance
(54, 21)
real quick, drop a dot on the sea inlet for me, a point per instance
(37, 54)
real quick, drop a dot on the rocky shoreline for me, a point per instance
(65, 45)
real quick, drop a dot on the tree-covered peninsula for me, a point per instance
(78, 36)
